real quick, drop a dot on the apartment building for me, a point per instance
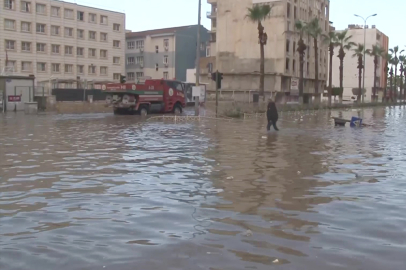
(350, 74)
(163, 53)
(235, 51)
(58, 41)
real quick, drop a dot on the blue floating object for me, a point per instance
(356, 122)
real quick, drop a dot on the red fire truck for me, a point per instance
(154, 96)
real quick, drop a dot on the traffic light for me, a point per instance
(123, 79)
(220, 77)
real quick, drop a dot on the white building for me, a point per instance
(61, 42)
(350, 73)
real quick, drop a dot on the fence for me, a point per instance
(78, 94)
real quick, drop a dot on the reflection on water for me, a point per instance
(98, 191)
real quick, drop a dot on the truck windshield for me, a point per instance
(175, 85)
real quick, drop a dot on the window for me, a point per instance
(68, 68)
(55, 49)
(103, 54)
(25, 6)
(81, 69)
(80, 16)
(208, 52)
(68, 32)
(11, 65)
(92, 18)
(41, 28)
(55, 68)
(140, 74)
(165, 59)
(116, 76)
(41, 9)
(68, 13)
(166, 75)
(103, 36)
(287, 45)
(157, 49)
(9, 24)
(294, 47)
(166, 43)
(140, 60)
(41, 67)
(139, 44)
(103, 19)
(130, 61)
(92, 35)
(41, 47)
(25, 27)
(92, 69)
(9, 4)
(116, 27)
(288, 11)
(26, 46)
(68, 50)
(202, 46)
(130, 76)
(287, 63)
(80, 51)
(103, 71)
(295, 13)
(10, 45)
(116, 43)
(116, 60)
(55, 30)
(80, 33)
(92, 53)
(294, 65)
(25, 66)
(130, 45)
(55, 12)
(156, 66)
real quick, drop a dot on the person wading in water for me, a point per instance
(272, 115)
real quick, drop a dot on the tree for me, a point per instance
(402, 60)
(301, 49)
(343, 41)
(331, 40)
(395, 52)
(257, 14)
(388, 58)
(376, 53)
(314, 30)
(359, 53)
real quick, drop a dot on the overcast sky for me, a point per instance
(152, 14)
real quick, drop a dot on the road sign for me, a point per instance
(14, 98)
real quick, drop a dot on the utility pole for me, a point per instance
(217, 91)
(198, 57)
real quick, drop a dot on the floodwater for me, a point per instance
(116, 192)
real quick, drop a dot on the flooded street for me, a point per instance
(115, 192)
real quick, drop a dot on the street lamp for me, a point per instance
(365, 34)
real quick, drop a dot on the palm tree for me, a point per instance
(359, 53)
(345, 44)
(314, 30)
(395, 52)
(331, 40)
(388, 58)
(257, 14)
(402, 60)
(376, 53)
(301, 48)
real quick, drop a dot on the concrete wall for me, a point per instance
(17, 87)
(350, 63)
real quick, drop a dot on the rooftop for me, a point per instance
(156, 31)
(75, 3)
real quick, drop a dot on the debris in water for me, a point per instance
(263, 137)
(230, 178)
(299, 172)
(248, 233)
(276, 261)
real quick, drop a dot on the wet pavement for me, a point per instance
(115, 192)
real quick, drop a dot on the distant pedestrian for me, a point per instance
(272, 115)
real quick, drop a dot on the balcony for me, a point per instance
(211, 14)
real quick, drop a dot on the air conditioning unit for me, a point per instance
(141, 50)
(166, 48)
(142, 65)
(166, 64)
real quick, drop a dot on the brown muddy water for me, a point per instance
(115, 192)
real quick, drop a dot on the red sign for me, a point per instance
(14, 98)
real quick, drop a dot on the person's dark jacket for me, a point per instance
(272, 112)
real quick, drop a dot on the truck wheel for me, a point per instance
(143, 111)
(177, 110)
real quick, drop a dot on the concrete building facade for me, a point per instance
(163, 53)
(235, 48)
(60, 41)
(350, 76)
